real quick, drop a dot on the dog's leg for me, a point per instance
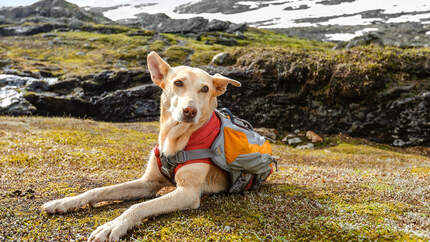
(190, 184)
(145, 187)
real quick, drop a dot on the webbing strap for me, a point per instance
(168, 164)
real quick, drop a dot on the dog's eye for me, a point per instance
(204, 89)
(179, 83)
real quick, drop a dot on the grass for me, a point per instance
(349, 189)
(307, 66)
(83, 53)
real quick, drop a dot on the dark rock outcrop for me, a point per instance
(399, 115)
(219, 6)
(137, 103)
(164, 24)
(114, 96)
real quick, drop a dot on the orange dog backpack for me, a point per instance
(237, 149)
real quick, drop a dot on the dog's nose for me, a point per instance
(190, 112)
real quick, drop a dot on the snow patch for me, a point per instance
(349, 36)
(250, 4)
(274, 10)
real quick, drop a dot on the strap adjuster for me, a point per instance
(181, 156)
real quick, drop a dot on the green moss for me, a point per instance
(346, 192)
(157, 45)
(177, 55)
(201, 58)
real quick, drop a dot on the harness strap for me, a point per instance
(186, 155)
(169, 164)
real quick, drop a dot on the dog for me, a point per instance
(188, 100)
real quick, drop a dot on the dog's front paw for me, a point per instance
(63, 205)
(110, 231)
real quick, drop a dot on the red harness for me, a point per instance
(200, 139)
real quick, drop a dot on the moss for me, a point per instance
(157, 45)
(352, 190)
(201, 58)
(177, 55)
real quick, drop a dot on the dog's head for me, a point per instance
(189, 93)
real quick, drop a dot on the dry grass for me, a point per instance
(351, 191)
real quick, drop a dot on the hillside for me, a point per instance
(99, 71)
(50, 10)
(349, 189)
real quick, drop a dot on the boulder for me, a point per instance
(51, 104)
(13, 103)
(137, 103)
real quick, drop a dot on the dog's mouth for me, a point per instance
(187, 120)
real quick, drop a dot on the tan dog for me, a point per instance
(188, 100)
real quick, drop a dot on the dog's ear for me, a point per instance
(158, 69)
(220, 83)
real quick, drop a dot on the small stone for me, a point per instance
(227, 228)
(48, 35)
(294, 141)
(269, 133)
(81, 53)
(285, 139)
(314, 137)
(297, 131)
(87, 46)
(399, 143)
(305, 147)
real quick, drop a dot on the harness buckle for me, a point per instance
(181, 156)
(166, 172)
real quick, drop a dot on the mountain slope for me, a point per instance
(54, 9)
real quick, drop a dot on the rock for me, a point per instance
(13, 103)
(234, 28)
(64, 87)
(37, 86)
(399, 143)
(51, 104)
(225, 7)
(269, 133)
(312, 136)
(160, 22)
(366, 39)
(49, 35)
(228, 228)
(14, 80)
(217, 25)
(4, 63)
(25, 30)
(223, 59)
(52, 11)
(138, 103)
(226, 41)
(294, 141)
(305, 147)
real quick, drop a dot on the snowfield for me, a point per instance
(278, 13)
